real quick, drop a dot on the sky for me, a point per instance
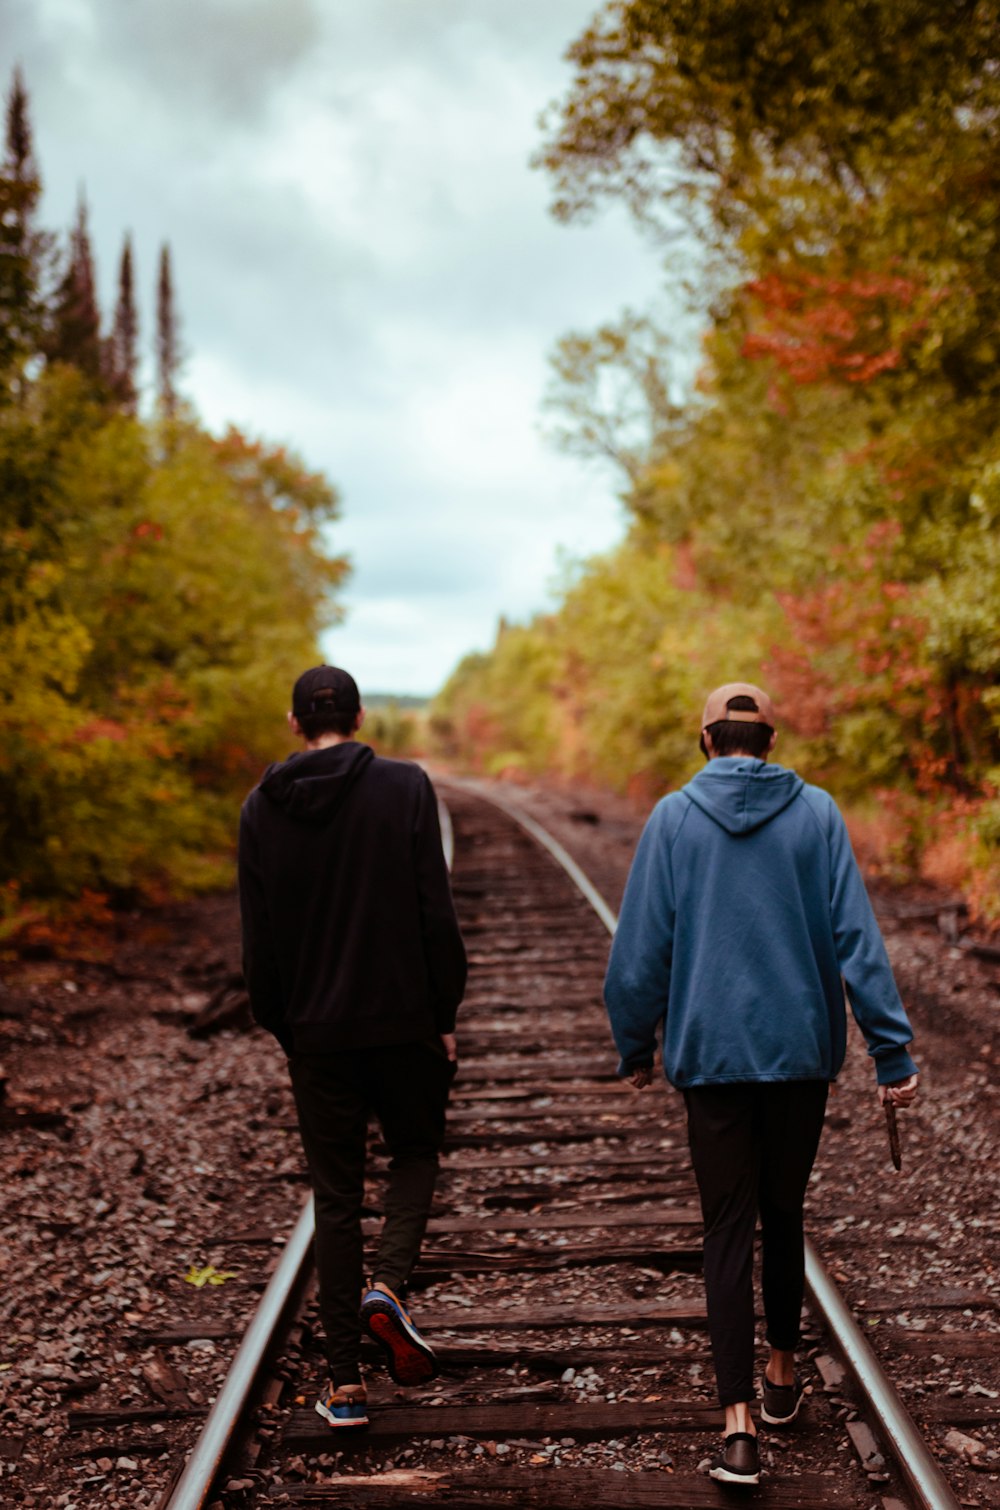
(365, 269)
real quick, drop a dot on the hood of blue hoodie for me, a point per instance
(313, 785)
(742, 794)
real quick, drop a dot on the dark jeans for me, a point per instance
(406, 1086)
(753, 1146)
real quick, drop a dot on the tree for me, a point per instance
(821, 510)
(75, 325)
(615, 393)
(123, 354)
(23, 247)
(168, 356)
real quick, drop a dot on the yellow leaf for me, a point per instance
(209, 1275)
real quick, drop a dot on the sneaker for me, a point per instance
(779, 1403)
(408, 1357)
(346, 1406)
(739, 1460)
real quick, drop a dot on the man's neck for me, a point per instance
(325, 741)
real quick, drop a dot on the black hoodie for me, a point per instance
(350, 938)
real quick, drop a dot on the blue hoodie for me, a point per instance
(744, 917)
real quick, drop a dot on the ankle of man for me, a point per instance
(738, 1418)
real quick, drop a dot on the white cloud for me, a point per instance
(365, 266)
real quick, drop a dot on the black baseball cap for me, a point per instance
(325, 689)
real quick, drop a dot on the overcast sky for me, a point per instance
(365, 269)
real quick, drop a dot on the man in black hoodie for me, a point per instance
(354, 961)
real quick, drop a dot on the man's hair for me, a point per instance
(730, 737)
(325, 700)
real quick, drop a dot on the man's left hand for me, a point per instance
(902, 1093)
(450, 1043)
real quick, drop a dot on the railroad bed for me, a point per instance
(560, 1279)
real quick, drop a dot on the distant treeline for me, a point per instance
(159, 587)
(820, 509)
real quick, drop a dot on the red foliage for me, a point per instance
(81, 929)
(101, 728)
(823, 328)
(685, 567)
(856, 644)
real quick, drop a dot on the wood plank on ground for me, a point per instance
(558, 1221)
(637, 1313)
(598, 1065)
(629, 1353)
(441, 1262)
(492, 1137)
(517, 1087)
(84, 1418)
(950, 1344)
(528, 1196)
(615, 1106)
(559, 1488)
(654, 1157)
(497, 1422)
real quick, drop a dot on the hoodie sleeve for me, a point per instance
(260, 968)
(637, 986)
(864, 964)
(444, 952)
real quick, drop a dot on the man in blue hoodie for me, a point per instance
(744, 918)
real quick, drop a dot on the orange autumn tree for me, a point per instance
(160, 603)
(823, 179)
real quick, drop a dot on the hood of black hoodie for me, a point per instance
(742, 794)
(313, 784)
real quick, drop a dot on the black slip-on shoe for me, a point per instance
(739, 1460)
(779, 1403)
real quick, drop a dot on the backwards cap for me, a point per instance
(717, 712)
(325, 689)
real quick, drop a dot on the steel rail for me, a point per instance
(202, 1467)
(908, 1447)
(198, 1478)
(909, 1450)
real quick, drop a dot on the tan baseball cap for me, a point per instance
(717, 712)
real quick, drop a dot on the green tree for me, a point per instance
(23, 247)
(161, 615)
(123, 344)
(75, 322)
(168, 352)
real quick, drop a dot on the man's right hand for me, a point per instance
(450, 1044)
(901, 1093)
(641, 1078)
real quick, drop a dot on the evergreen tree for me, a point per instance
(167, 344)
(22, 246)
(123, 351)
(75, 335)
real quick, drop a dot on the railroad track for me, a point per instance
(559, 1281)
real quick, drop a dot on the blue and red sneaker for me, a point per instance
(408, 1357)
(346, 1406)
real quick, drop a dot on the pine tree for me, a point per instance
(22, 245)
(75, 335)
(167, 344)
(123, 349)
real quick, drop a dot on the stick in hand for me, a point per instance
(893, 1131)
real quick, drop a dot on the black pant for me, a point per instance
(753, 1146)
(406, 1086)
